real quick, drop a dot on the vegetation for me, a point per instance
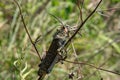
(98, 42)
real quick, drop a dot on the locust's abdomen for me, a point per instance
(51, 58)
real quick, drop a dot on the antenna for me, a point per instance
(57, 19)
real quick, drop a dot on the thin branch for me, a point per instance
(80, 9)
(101, 65)
(84, 63)
(80, 26)
(27, 30)
(79, 65)
(110, 9)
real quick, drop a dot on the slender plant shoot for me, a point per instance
(27, 29)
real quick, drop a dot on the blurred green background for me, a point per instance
(99, 44)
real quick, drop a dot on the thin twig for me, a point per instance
(27, 30)
(101, 65)
(79, 65)
(80, 26)
(84, 63)
(110, 9)
(80, 9)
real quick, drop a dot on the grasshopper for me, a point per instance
(60, 39)
(52, 55)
